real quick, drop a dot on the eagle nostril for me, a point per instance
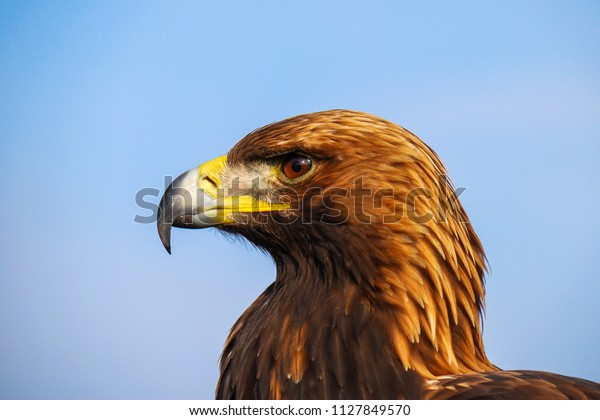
(211, 181)
(206, 179)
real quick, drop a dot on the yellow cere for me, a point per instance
(209, 181)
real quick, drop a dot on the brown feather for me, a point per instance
(384, 300)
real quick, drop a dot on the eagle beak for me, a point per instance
(192, 200)
(197, 199)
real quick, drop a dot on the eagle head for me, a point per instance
(361, 219)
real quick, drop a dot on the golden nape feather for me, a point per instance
(379, 290)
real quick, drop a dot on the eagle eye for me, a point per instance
(295, 165)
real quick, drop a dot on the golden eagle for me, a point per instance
(379, 289)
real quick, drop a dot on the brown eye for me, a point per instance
(294, 166)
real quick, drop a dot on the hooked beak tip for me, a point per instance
(164, 231)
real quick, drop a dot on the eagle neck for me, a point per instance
(429, 328)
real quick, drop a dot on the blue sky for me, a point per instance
(98, 101)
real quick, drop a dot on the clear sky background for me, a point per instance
(98, 101)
